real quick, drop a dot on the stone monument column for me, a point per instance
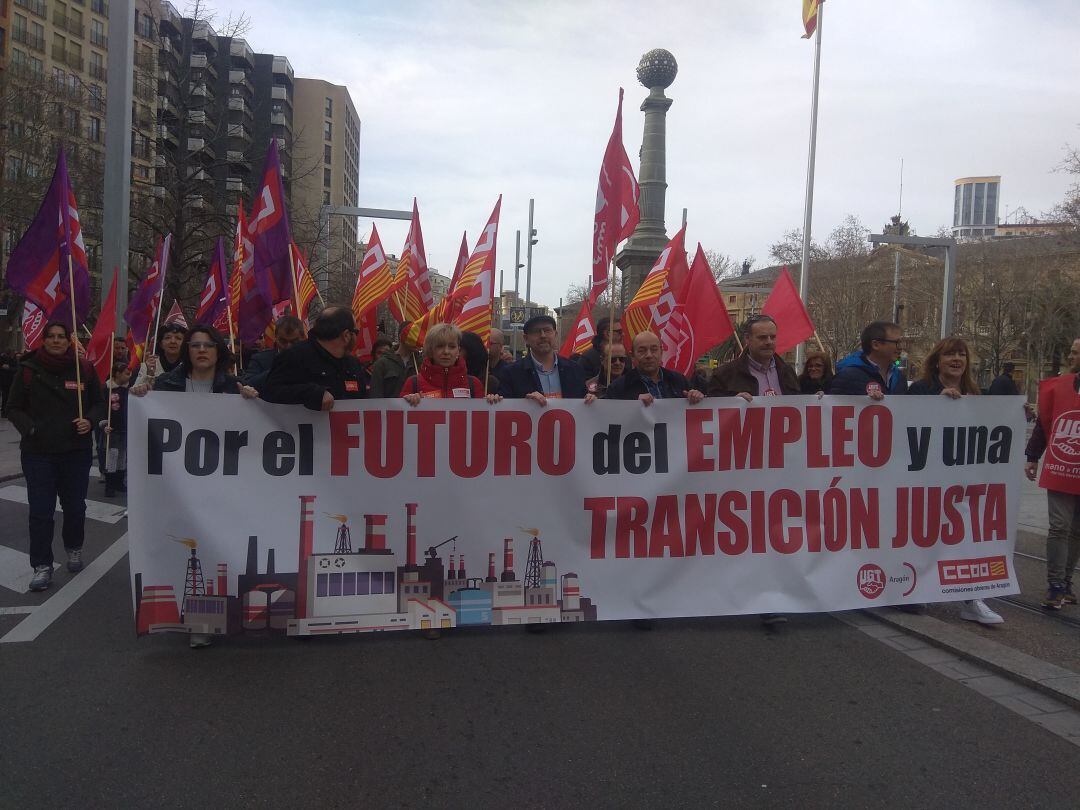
(656, 71)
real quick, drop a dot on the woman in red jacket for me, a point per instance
(443, 374)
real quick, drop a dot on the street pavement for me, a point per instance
(830, 711)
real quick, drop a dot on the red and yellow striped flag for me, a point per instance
(477, 283)
(655, 299)
(305, 284)
(809, 16)
(373, 285)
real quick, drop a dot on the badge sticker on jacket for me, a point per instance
(352, 386)
(873, 388)
(771, 392)
(462, 393)
(71, 385)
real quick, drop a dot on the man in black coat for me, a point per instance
(1004, 384)
(647, 381)
(319, 371)
(542, 375)
(288, 331)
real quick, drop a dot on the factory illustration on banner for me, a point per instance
(339, 589)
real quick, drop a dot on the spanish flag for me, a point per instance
(809, 16)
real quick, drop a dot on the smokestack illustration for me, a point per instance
(270, 561)
(461, 567)
(571, 592)
(549, 576)
(491, 568)
(450, 572)
(222, 579)
(209, 587)
(307, 545)
(375, 532)
(252, 556)
(158, 606)
(508, 560)
(410, 535)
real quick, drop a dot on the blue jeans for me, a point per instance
(50, 476)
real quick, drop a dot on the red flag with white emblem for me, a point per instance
(372, 287)
(617, 212)
(699, 321)
(580, 337)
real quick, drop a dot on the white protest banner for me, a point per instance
(377, 516)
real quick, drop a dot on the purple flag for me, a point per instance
(38, 267)
(268, 231)
(215, 292)
(147, 298)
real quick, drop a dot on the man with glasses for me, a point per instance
(599, 384)
(319, 371)
(542, 375)
(872, 371)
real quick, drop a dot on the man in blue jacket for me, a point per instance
(872, 371)
(541, 374)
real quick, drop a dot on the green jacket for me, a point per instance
(388, 375)
(42, 406)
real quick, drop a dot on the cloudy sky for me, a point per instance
(461, 101)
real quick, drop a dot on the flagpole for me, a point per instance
(295, 291)
(75, 327)
(167, 244)
(108, 392)
(611, 316)
(809, 206)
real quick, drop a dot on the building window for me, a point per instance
(94, 132)
(326, 178)
(329, 108)
(327, 131)
(37, 67)
(59, 77)
(980, 202)
(97, 33)
(326, 198)
(327, 153)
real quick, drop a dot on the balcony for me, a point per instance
(240, 78)
(167, 107)
(235, 184)
(280, 92)
(240, 131)
(99, 7)
(69, 58)
(167, 135)
(201, 147)
(172, 22)
(34, 7)
(281, 120)
(282, 67)
(60, 20)
(236, 158)
(197, 117)
(159, 161)
(197, 173)
(199, 92)
(28, 39)
(98, 38)
(158, 191)
(97, 71)
(240, 51)
(202, 33)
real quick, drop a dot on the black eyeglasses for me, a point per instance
(618, 359)
(202, 344)
(898, 341)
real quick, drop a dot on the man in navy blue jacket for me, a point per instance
(873, 370)
(542, 375)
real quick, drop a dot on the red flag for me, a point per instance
(214, 298)
(580, 337)
(459, 265)
(477, 282)
(176, 315)
(699, 322)
(411, 296)
(617, 212)
(658, 295)
(793, 324)
(99, 349)
(33, 324)
(373, 284)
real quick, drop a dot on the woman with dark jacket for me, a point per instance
(203, 368)
(817, 373)
(166, 356)
(56, 444)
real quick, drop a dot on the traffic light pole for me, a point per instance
(528, 256)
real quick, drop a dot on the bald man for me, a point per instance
(648, 381)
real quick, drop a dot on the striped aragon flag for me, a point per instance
(373, 285)
(809, 16)
(305, 284)
(656, 297)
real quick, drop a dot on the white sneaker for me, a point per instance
(977, 611)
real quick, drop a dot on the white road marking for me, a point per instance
(15, 570)
(37, 622)
(18, 610)
(95, 510)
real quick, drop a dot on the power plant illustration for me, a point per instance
(363, 590)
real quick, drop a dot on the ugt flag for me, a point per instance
(214, 299)
(50, 258)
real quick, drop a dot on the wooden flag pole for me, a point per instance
(108, 393)
(819, 345)
(75, 327)
(738, 343)
(157, 317)
(611, 316)
(232, 331)
(295, 290)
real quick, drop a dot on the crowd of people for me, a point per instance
(58, 405)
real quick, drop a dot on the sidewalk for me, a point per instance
(10, 465)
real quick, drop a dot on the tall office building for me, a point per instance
(975, 207)
(327, 158)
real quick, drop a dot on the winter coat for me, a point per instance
(42, 405)
(734, 378)
(855, 374)
(631, 384)
(443, 383)
(305, 371)
(176, 380)
(520, 378)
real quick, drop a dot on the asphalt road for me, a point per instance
(696, 713)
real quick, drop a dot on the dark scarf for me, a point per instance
(55, 365)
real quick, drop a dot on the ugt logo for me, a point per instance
(871, 581)
(1065, 438)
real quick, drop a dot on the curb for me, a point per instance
(1050, 679)
(10, 477)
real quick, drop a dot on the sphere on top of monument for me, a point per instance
(657, 68)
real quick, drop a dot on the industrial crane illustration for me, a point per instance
(430, 553)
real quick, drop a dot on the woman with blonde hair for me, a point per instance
(443, 374)
(947, 371)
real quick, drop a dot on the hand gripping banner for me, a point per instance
(249, 517)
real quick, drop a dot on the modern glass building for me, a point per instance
(975, 207)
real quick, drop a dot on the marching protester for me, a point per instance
(166, 355)
(817, 373)
(947, 372)
(542, 374)
(591, 358)
(758, 371)
(392, 368)
(321, 370)
(56, 444)
(203, 368)
(598, 385)
(1058, 396)
(114, 426)
(872, 370)
(496, 343)
(288, 331)
(648, 381)
(443, 374)
(477, 360)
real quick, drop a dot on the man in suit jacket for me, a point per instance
(542, 375)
